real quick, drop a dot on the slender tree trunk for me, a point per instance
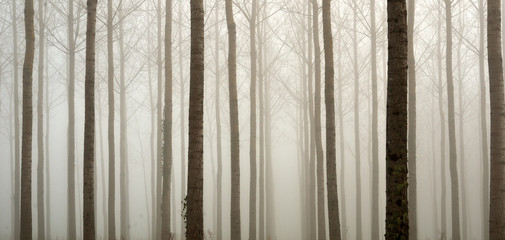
(102, 166)
(159, 141)
(375, 133)
(252, 142)
(357, 150)
(443, 180)
(261, 188)
(497, 101)
(453, 169)
(412, 122)
(235, 154)
(397, 222)
(40, 127)
(48, 175)
(194, 212)
(321, 229)
(343, 216)
(26, 149)
(167, 126)
(483, 125)
(71, 218)
(331, 181)
(17, 158)
(219, 208)
(269, 183)
(89, 126)
(182, 133)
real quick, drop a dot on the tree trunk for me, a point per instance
(357, 150)
(17, 159)
(219, 208)
(483, 125)
(343, 216)
(375, 133)
(71, 218)
(261, 188)
(159, 141)
(497, 101)
(110, 133)
(194, 212)
(453, 169)
(397, 222)
(183, 147)
(40, 126)
(252, 142)
(167, 126)
(412, 122)
(234, 135)
(331, 181)
(26, 149)
(48, 175)
(89, 126)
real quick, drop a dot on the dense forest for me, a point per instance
(252, 119)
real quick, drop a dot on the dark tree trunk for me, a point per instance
(252, 142)
(375, 132)
(397, 222)
(194, 214)
(26, 145)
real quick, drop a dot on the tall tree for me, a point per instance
(219, 191)
(453, 169)
(234, 139)
(89, 126)
(40, 126)
(182, 109)
(26, 144)
(321, 227)
(375, 132)
(397, 222)
(71, 218)
(411, 61)
(159, 114)
(110, 133)
(167, 126)
(331, 178)
(194, 214)
(357, 151)
(252, 119)
(497, 101)
(483, 125)
(17, 159)
(261, 86)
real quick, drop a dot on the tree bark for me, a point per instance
(252, 142)
(159, 140)
(497, 101)
(194, 214)
(261, 188)
(397, 222)
(40, 127)
(412, 122)
(331, 181)
(375, 133)
(167, 126)
(89, 126)
(26, 145)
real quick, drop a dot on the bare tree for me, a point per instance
(17, 158)
(375, 132)
(26, 149)
(252, 120)
(357, 150)
(40, 126)
(219, 192)
(397, 222)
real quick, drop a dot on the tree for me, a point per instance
(497, 102)
(252, 119)
(110, 133)
(167, 126)
(453, 169)
(40, 126)
(375, 132)
(357, 150)
(219, 192)
(17, 158)
(331, 178)
(412, 178)
(26, 144)
(397, 222)
(194, 214)
(89, 126)
(234, 139)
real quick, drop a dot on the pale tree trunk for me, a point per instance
(412, 122)
(343, 215)
(375, 133)
(331, 178)
(252, 120)
(182, 133)
(159, 141)
(71, 218)
(309, 195)
(269, 183)
(26, 145)
(167, 126)
(102, 166)
(453, 169)
(261, 188)
(89, 126)
(194, 212)
(321, 227)
(397, 222)
(17, 159)
(483, 125)
(357, 150)
(443, 198)
(219, 199)
(234, 125)
(40, 126)
(48, 175)
(110, 133)
(497, 102)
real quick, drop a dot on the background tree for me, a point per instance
(40, 126)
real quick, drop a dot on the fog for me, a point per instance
(283, 46)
